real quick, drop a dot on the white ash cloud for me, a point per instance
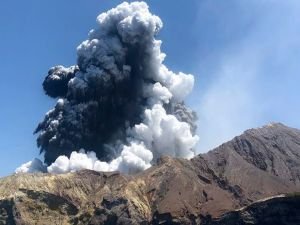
(120, 103)
(36, 165)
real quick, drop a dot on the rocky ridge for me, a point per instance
(223, 186)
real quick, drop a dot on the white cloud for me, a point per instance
(33, 166)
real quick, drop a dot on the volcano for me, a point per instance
(252, 179)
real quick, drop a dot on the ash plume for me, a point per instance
(120, 107)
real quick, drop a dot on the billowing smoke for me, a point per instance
(120, 106)
(33, 166)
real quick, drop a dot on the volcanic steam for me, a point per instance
(120, 107)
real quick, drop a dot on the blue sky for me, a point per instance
(244, 55)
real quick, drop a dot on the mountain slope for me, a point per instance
(278, 210)
(260, 163)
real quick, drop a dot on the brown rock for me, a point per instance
(209, 189)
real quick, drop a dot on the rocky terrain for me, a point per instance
(277, 210)
(252, 179)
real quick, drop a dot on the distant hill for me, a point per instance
(252, 179)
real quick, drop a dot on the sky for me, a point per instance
(244, 56)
